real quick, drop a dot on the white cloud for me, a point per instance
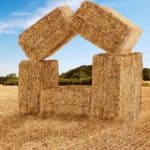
(10, 26)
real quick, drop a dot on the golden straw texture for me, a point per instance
(33, 77)
(116, 88)
(105, 28)
(66, 100)
(47, 35)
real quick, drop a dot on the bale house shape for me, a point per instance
(115, 92)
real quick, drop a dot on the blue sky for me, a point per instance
(17, 15)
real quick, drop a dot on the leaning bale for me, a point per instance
(34, 77)
(116, 88)
(105, 28)
(47, 35)
(66, 100)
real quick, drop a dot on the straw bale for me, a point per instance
(116, 86)
(67, 100)
(23, 87)
(47, 35)
(33, 77)
(105, 28)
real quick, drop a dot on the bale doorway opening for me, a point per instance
(75, 61)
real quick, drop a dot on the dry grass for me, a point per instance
(25, 133)
(8, 100)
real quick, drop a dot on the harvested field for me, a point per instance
(27, 133)
(8, 99)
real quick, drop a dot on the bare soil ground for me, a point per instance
(27, 133)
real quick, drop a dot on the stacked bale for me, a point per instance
(66, 100)
(116, 88)
(105, 28)
(33, 78)
(47, 35)
(116, 79)
(40, 41)
(115, 95)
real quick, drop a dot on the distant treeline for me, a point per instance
(79, 76)
(10, 79)
(83, 75)
(146, 74)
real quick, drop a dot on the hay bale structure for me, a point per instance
(115, 92)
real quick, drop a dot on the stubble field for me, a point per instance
(25, 133)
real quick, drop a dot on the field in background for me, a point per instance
(52, 133)
(8, 100)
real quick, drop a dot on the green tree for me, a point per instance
(146, 74)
